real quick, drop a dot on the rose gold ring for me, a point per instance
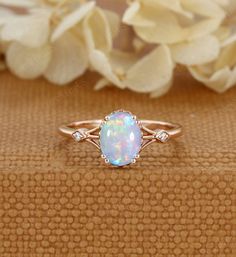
(121, 136)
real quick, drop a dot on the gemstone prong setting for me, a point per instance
(120, 138)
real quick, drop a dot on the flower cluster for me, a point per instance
(54, 38)
(61, 39)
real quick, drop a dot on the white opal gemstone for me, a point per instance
(120, 138)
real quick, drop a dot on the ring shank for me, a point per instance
(174, 130)
(68, 130)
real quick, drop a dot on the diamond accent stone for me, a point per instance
(77, 136)
(162, 136)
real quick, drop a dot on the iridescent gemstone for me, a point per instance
(120, 138)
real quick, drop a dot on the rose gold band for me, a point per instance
(174, 130)
(87, 125)
(90, 130)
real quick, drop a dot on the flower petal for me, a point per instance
(97, 31)
(153, 72)
(101, 63)
(27, 63)
(113, 21)
(218, 81)
(122, 61)
(227, 57)
(101, 83)
(31, 30)
(202, 28)
(72, 19)
(197, 52)
(206, 8)
(69, 60)
(5, 14)
(232, 79)
(17, 3)
(133, 17)
(172, 5)
(166, 30)
(222, 33)
(230, 40)
(222, 2)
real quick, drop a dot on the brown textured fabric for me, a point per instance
(58, 198)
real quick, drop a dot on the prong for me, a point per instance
(103, 156)
(106, 161)
(137, 156)
(134, 161)
(120, 110)
(107, 118)
(139, 123)
(135, 117)
(102, 123)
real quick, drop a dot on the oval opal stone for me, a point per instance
(120, 138)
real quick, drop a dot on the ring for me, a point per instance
(121, 136)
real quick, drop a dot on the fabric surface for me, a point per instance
(58, 198)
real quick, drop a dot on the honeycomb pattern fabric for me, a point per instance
(58, 198)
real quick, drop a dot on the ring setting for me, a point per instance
(121, 137)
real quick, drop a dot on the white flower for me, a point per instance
(47, 41)
(173, 21)
(185, 25)
(219, 75)
(18, 3)
(198, 32)
(195, 52)
(43, 42)
(60, 40)
(54, 39)
(151, 73)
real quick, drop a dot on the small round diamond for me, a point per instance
(162, 136)
(77, 136)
